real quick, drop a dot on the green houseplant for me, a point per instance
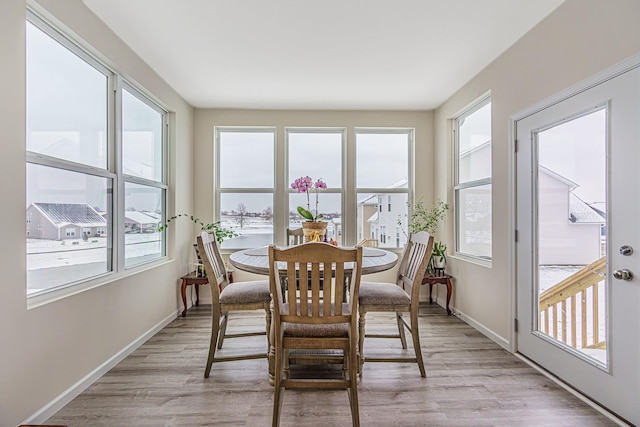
(215, 227)
(428, 219)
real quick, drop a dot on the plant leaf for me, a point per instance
(305, 213)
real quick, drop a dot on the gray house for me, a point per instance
(62, 221)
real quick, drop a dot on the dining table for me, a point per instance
(256, 260)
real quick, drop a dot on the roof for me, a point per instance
(140, 217)
(69, 213)
(582, 213)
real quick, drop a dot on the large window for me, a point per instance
(382, 185)
(78, 168)
(246, 194)
(367, 211)
(473, 181)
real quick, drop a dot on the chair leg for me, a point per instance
(403, 338)
(268, 322)
(213, 344)
(415, 334)
(277, 389)
(361, 340)
(223, 329)
(353, 387)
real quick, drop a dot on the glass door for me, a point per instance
(577, 212)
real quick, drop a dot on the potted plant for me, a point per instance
(427, 219)
(314, 230)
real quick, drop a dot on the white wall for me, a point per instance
(206, 119)
(47, 349)
(579, 39)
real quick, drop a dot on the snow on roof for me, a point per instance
(70, 213)
(373, 218)
(140, 217)
(582, 213)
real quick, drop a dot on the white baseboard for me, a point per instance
(501, 341)
(48, 410)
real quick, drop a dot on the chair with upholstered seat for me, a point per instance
(227, 297)
(295, 236)
(326, 319)
(400, 297)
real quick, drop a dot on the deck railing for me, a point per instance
(570, 310)
(371, 243)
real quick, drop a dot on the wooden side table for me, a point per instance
(439, 278)
(191, 279)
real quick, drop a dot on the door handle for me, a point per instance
(623, 274)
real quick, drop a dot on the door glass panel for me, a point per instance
(572, 234)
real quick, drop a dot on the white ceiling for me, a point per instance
(330, 54)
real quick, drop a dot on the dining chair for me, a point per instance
(227, 297)
(295, 236)
(400, 297)
(323, 320)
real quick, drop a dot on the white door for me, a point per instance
(578, 246)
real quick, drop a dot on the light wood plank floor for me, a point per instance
(471, 381)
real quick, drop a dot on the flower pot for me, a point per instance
(314, 231)
(439, 262)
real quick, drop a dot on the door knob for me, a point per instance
(623, 274)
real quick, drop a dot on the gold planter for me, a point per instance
(314, 231)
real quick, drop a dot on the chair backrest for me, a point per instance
(414, 263)
(295, 236)
(308, 264)
(213, 264)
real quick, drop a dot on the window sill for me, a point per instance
(58, 294)
(472, 260)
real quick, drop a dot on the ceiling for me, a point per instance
(329, 55)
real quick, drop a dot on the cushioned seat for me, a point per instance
(372, 293)
(246, 292)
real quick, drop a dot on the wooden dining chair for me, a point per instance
(226, 297)
(323, 320)
(400, 297)
(295, 236)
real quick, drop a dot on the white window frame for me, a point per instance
(113, 171)
(347, 228)
(475, 106)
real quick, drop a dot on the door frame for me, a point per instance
(607, 74)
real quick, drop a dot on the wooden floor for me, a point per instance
(471, 381)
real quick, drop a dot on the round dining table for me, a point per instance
(256, 260)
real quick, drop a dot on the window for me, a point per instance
(473, 181)
(317, 153)
(249, 202)
(74, 176)
(246, 194)
(382, 173)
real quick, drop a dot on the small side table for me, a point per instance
(191, 279)
(439, 278)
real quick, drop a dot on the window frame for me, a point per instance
(457, 187)
(381, 191)
(218, 190)
(112, 173)
(347, 228)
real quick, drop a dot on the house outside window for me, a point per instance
(473, 216)
(78, 123)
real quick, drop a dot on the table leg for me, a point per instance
(195, 285)
(448, 295)
(183, 290)
(430, 290)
